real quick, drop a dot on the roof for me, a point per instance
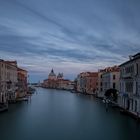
(52, 73)
(92, 74)
(20, 69)
(110, 69)
(137, 55)
(60, 75)
(11, 63)
(14, 63)
(132, 58)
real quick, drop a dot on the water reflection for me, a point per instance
(58, 115)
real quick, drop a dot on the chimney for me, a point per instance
(130, 57)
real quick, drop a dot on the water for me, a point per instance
(61, 115)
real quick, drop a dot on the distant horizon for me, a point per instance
(68, 36)
(35, 78)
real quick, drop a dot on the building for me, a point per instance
(13, 81)
(57, 82)
(8, 80)
(91, 82)
(100, 92)
(45, 83)
(108, 78)
(87, 82)
(63, 84)
(81, 83)
(52, 75)
(3, 82)
(51, 82)
(129, 98)
(22, 83)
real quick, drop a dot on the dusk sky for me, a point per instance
(69, 36)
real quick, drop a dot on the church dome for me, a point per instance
(52, 73)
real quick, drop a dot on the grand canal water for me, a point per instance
(61, 115)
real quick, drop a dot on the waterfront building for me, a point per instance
(129, 98)
(22, 83)
(108, 78)
(45, 83)
(52, 75)
(66, 84)
(57, 82)
(3, 82)
(87, 82)
(78, 79)
(60, 76)
(8, 80)
(100, 92)
(91, 82)
(51, 82)
(81, 83)
(11, 79)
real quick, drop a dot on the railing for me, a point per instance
(127, 75)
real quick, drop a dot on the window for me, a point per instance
(129, 69)
(136, 88)
(114, 85)
(129, 86)
(132, 104)
(101, 84)
(101, 89)
(114, 77)
(137, 68)
(101, 76)
(135, 106)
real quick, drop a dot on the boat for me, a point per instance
(31, 90)
(3, 107)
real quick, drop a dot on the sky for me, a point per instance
(70, 36)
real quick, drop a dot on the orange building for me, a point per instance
(91, 82)
(22, 83)
(87, 82)
(13, 81)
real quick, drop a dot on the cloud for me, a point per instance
(69, 36)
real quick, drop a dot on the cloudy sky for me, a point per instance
(70, 36)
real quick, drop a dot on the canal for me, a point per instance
(61, 115)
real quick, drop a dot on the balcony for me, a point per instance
(127, 75)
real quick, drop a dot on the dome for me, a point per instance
(52, 73)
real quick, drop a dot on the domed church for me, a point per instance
(52, 75)
(57, 81)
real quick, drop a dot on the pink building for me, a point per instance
(87, 82)
(91, 82)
